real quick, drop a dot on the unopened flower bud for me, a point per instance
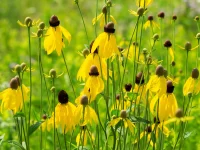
(52, 73)
(174, 17)
(44, 116)
(195, 73)
(188, 46)
(155, 37)
(109, 3)
(40, 33)
(23, 66)
(41, 25)
(145, 51)
(198, 36)
(86, 52)
(140, 11)
(173, 63)
(196, 18)
(63, 97)
(84, 100)
(53, 89)
(179, 113)
(123, 114)
(28, 21)
(104, 10)
(18, 68)
(159, 70)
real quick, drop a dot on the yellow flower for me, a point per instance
(188, 47)
(167, 104)
(192, 84)
(179, 117)
(13, 97)
(102, 16)
(123, 117)
(92, 59)
(85, 114)
(28, 22)
(143, 3)
(84, 134)
(54, 36)
(106, 42)
(94, 84)
(120, 104)
(64, 114)
(157, 83)
(151, 23)
(168, 45)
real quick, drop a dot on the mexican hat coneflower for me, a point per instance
(167, 104)
(85, 114)
(13, 97)
(54, 36)
(106, 42)
(192, 84)
(151, 23)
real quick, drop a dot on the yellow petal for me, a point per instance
(94, 20)
(114, 121)
(153, 102)
(66, 34)
(171, 52)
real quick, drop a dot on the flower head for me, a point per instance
(54, 36)
(151, 23)
(106, 42)
(13, 97)
(168, 45)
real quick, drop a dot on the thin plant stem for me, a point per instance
(83, 22)
(68, 74)
(64, 135)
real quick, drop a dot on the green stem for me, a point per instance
(68, 74)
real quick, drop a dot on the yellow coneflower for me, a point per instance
(192, 84)
(124, 118)
(64, 114)
(28, 22)
(143, 3)
(94, 84)
(85, 114)
(106, 42)
(167, 104)
(54, 36)
(188, 47)
(151, 23)
(120, 104)
(179, 117)
(92, 59)
(13, 97)
(84, 134)
(157, 83)
(168, 45)
(102, 16)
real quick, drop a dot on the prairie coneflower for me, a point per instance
(64, 114)
(13, 97)
(54, 36)
(106, 42)
(84, 134)
(168, 45)
(120, 104)
(192, 84)
(143, 3)
(167, 103)
(124, 118)
(85, 114)
(92, 59)
(94, 84)
(102, 16)
(151, 23)
(157, 83)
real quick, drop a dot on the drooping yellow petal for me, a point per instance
(66, 34)
(188, 86)
(130, 125)
(133, 13)
(153, 102)
(141, 136)
(171, 52)
(94, 20)
(113, 19)
(114, 121)
(147, 24)
(143, 3)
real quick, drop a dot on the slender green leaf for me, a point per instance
(34, 127)
(16, 144)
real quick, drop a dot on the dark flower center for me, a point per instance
(54, 22)
(128, 87)
(109, 28)
(63, 97)
(93, 71)
(170, 87)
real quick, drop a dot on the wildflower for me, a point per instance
(106, 42)
(84, 134)
(150, 23)
(174, 17)
(140, 12)
(92, 59)
(13, 97)
(161, 15)
(64, 113)
(179, 117)
(188, 47)
(167, 104)
(54, 36)
(84, 113)
(53, 74)
(102, 16)
(192, 84)
(143, 3)
(120, 104)
(124, 118)
(94, 84)
(157, 83)
(28, 22)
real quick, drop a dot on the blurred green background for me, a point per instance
(14, 43)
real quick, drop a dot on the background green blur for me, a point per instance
(14, 44)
